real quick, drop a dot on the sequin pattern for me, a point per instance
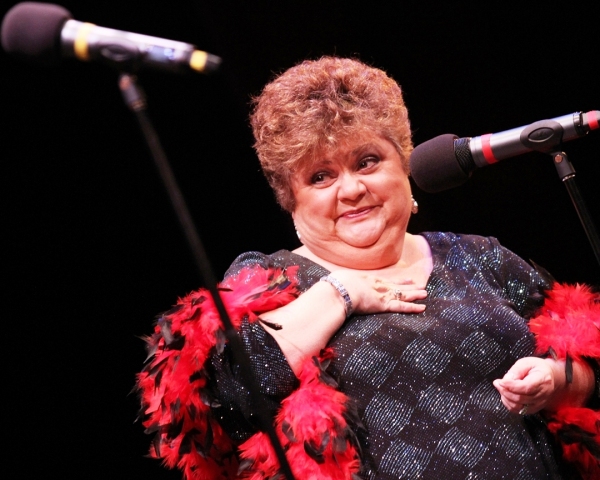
(422, 382)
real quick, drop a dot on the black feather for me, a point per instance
(165, 329)
(152, 428)
(156, 441)
(339, 444)
(186, 445)
(569, 369)
(198, 300)
(153, 368)
(174, 429)
(286, 428)
(574, 434)
(274, 326)
(314, 451)
(197, 375)
(157, 379)
(244, 465)
(195, 315)
(328, 380)
(151, 345)
(175, 408)
(177, 342)
(221, 340)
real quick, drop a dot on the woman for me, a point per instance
(436, 372)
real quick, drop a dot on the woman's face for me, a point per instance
(353, 204)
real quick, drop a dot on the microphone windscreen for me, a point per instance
(434, 167)
(31, 31)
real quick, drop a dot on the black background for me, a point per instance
(92, 250)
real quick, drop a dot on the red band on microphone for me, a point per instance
(592, 120)
(486, 148)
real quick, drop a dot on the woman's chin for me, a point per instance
(360, 237)
(359, 241)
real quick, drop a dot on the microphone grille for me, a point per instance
(31, 31)
(434, 165)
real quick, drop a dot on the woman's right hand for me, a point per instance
(374, 293)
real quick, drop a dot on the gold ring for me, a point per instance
(523, 411)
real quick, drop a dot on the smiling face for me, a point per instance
(353, 203)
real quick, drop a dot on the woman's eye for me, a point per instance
(318, 177)
(367, 162)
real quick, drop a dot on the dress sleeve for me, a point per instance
(315, 423)
(520, 282)
(235, 406)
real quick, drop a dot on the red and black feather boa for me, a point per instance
(314, 422)
(568, 327)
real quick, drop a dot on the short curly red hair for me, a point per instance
(314, 105)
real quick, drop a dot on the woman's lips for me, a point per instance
(359, 212)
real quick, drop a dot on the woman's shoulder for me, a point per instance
(306, 271)
(469, 242)
(477, 250)
(280, 259)
(488, 256)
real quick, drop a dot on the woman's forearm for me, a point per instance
(307, 323)
(576, 393)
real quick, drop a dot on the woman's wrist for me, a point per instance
(577, 392)
(335, 283)
(559, 375)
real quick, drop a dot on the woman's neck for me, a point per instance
(414, 260)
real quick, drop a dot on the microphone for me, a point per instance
(43, 33)
(447, 161)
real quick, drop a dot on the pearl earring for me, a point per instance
(415, 205)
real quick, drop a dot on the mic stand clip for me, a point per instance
(566, 172)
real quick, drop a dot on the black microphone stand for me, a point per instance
(135, 100)
(549, 142)
(566, 173)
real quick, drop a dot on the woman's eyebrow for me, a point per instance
(364, 147)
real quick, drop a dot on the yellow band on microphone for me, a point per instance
(80, 45)
(198, 60)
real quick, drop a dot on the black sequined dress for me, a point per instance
(422, 382)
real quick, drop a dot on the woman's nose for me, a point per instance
(351, 186)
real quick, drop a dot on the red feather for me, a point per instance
(312, 428)
(569, 324)
(171, 383)
(578, 430)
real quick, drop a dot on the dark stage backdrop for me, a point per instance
(92, 250)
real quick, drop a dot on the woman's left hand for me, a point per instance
(529, 385)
